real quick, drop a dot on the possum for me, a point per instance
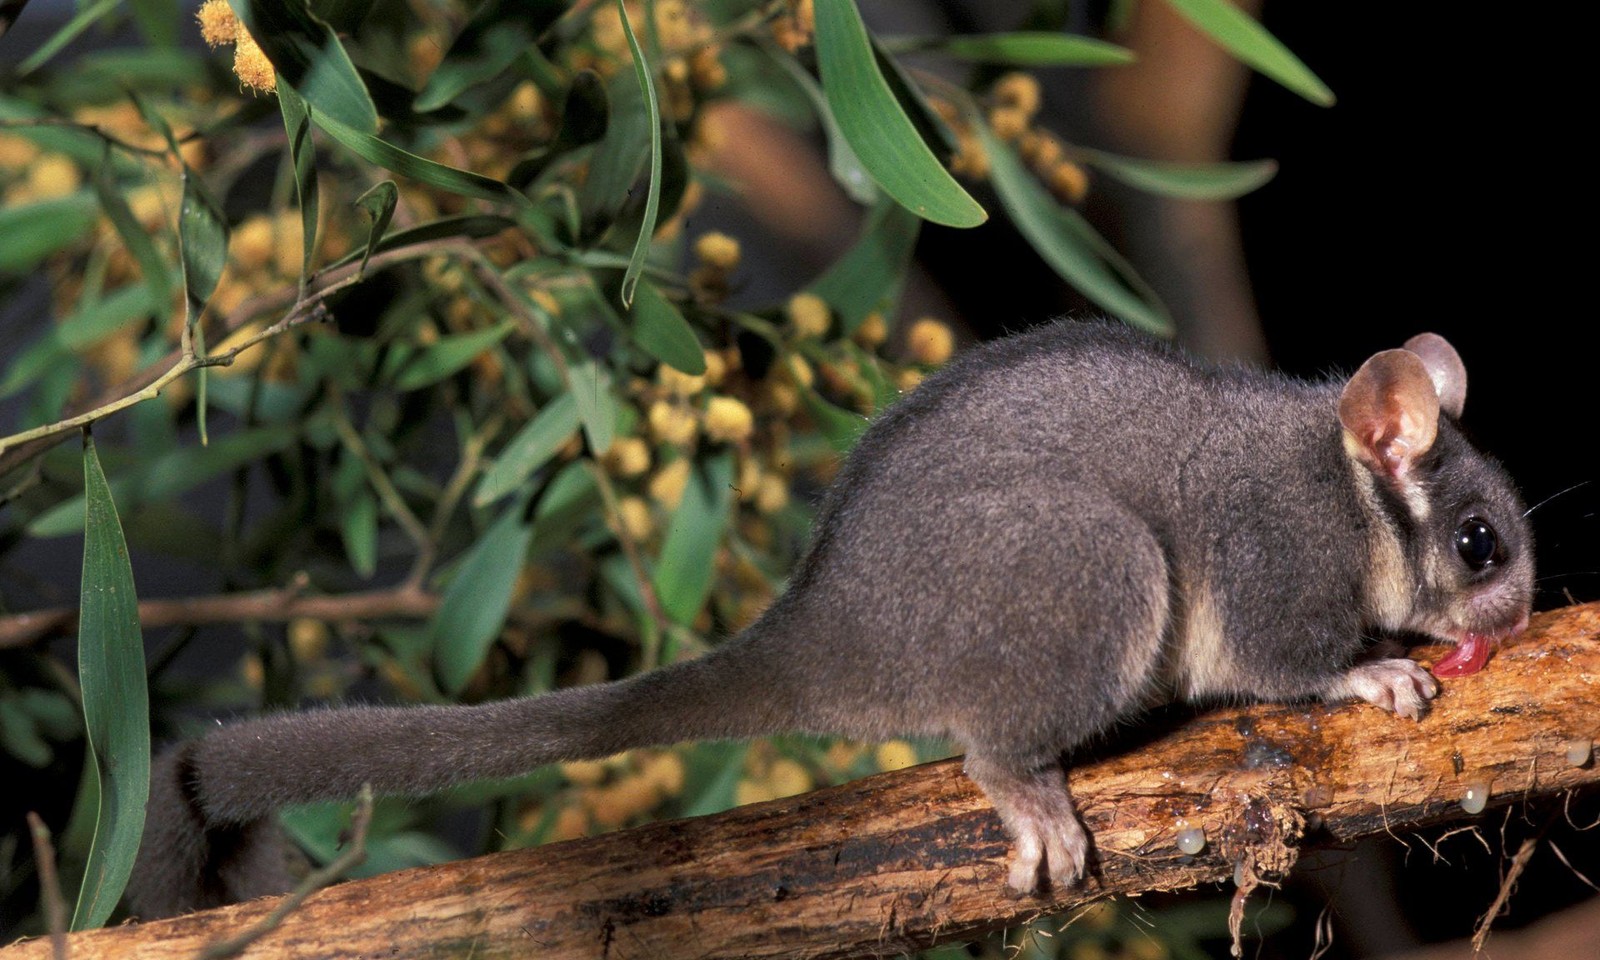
(1044, 539)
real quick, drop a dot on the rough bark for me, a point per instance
(901, 860)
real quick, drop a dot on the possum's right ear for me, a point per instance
(1390, 412)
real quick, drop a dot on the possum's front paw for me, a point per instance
(1401, 685)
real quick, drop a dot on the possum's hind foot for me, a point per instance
(1038, 814)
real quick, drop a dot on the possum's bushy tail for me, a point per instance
(210, 837)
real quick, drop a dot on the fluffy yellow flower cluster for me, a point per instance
(218, 26)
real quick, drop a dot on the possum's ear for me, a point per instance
(1445, 369)
(1390, 412)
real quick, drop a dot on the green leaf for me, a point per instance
(70, 31)
(652, 204)
(19, 736)
(445, 356)
(688, 554)
(116, 706)
(1190, 181)
(869, 274)
(597, 409)
(474, 605)
(530, 449)
(157, 275)
(841, 427)
(1067, 242)
(358, 527)
(1239, 34)
(170, 475)
(297, 124)
(379, 203)
(878, 130)
(499, 32)
(843, 163)
(471, 226)
(661, 331)
(203, 240)
(89, 324)
(309, 57)
(1024, 49)
(33, 231)
(392, 158)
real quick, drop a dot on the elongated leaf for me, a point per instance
(597, 409)
(157, 275)
(688, 555)
(309, 57)
(474, 605)
(1239, 34)
(1061, 237)
(170, 475)
(1190, 181)
(358, 527)
(1025, 49)
(379, 203)
(530, 449)
(446, 356)
(617, 160)
(390, 157)
(652, 204)
(203, 240)
(498, 33)
(297, 124)
(471, 226)
(661, 331)
(10, 10)
(116, 707)
(85, 18)
(33, 231)
(878, 130)
(870, 272)
(842, 161)
(841, 427)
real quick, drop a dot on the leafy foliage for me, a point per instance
(462, 362)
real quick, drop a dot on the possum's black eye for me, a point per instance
(1477, 543)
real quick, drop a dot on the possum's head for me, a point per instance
(1452, 552)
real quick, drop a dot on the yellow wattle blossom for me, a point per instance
(873, 331)
(808, 314)
(930, 341)
(717, 250)
(667, 485)
(252, 65)
(634, 515)
(1018, 90)
(680, 384)
(895, 755)
(1069, 182)
(1008, 123)
(672, 423)
(729, 420)
(627, 457)
(218, 23)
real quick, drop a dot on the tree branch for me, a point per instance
(149, 382)
(407, 601)
(902, 860)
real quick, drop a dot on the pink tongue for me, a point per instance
(1468, 657)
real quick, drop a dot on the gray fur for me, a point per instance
(1050, 534)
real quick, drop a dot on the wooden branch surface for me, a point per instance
(901, 860)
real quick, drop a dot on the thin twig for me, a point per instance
(89, 128)
(21, 447)
(352, 856)
(658, 618)
(279, 605)
(55, 906)
(456, 487)
(385, 488)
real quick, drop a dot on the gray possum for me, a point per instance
(1050, 535)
